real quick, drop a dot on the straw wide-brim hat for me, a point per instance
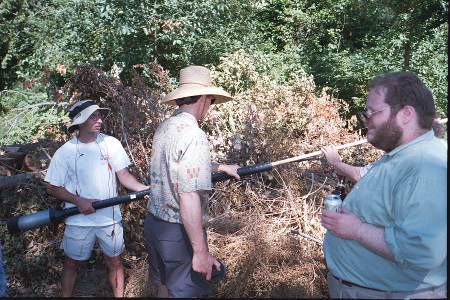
(81, 111)
(195, 81)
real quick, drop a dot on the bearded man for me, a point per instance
(390, 238)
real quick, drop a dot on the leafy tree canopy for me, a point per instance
(342, 43)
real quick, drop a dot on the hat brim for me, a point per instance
(188, 90)
(82, 117)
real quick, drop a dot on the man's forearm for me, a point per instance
(61, 193)
(351, 172)
(372, 238)
(191, 216)
(129, 181)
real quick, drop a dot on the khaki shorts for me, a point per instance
(78, 241)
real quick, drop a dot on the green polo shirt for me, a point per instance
(405, 192)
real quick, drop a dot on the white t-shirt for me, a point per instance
(89, 170)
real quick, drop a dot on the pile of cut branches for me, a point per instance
(265, 227)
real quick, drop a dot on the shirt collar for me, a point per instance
(185, 114)
(426, 136)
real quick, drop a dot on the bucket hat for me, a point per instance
(195, 81)
(81, 111)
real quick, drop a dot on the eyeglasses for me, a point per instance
(364, 115)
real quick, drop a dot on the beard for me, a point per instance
(387, 136)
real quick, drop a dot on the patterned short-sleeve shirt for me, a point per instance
(180, 163)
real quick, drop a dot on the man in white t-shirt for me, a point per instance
(85, 169)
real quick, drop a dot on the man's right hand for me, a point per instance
(203, 263)
(85, 205)
(332, 155)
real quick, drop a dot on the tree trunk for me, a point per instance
(407, 56)
(12, 181)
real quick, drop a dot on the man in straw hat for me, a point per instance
(82, 171)
(180, 175)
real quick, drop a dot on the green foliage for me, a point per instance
(343, 44)
(277, 21)
(430, 61)
(172, 33)
(269, 114)
(347, 43)
(29, 115)
(243, 69)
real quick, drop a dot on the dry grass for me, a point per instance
(255, 231)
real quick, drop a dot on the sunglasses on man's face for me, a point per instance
(213, 100)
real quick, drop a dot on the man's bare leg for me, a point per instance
(115, 275)
(69, 276)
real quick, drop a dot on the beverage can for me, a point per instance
(332, 202)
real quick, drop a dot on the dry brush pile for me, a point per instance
(265, 227)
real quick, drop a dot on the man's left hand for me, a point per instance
(344, 225)
(230, 170)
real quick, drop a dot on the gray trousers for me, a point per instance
(339, 290)
(170, 259)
